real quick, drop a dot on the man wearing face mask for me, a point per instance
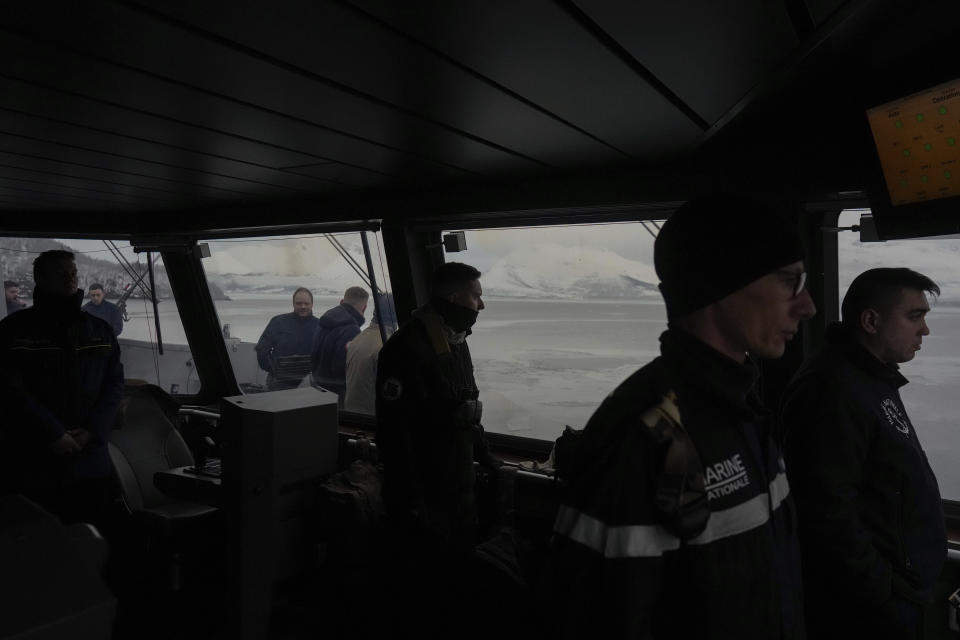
(60, 374)
(428, 426)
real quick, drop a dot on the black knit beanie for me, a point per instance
(714, 245)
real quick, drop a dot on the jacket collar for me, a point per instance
(844, 341)
(54, 305)
(356, 315)
(431, 317)
(704, 368)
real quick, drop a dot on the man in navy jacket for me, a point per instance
(62, 382)
(104, 309)
(871, 521)
(283, 350)
(336, 328)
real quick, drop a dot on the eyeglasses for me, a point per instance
(800, 283)
(799, 280)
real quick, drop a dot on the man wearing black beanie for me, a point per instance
(677, 521)
(429, 434)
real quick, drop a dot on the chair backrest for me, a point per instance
(148, 442)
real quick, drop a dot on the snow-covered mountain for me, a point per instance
(938, 259)
(555, 271)
(543, 270)
(310, 263)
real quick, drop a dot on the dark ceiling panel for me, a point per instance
(14, 153)
(69, 108)
(537, 50)
(53, 169)
(244, 82)
(98, 144)
(332, 171)
(28, 177)
(344, 47)
(709, 53)
(821, 10)
(104, 82)
(174, 175)
(46, 194)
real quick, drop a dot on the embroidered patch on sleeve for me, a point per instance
(391, 389)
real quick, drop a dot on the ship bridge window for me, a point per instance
(931, 399)
(273, 294)
(126, 303)
(570, 313)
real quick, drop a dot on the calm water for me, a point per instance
(543, 364)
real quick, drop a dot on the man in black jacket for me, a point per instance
(871, 521)
(335, 329)
(62, 382)
(687, 532)
(429, 434)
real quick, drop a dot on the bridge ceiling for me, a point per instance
(118, 111)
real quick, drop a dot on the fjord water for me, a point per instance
(543, 364)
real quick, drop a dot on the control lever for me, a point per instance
(204, 451)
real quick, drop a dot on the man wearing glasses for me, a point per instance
(677, 521)
(871, 520)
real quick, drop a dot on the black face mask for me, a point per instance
(455, 316)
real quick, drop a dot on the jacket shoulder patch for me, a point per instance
(391, 389)
(895, 416)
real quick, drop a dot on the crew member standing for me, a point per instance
(429, 435)
(104, 309)
(871, 521)
(678, 519)
(61, 387)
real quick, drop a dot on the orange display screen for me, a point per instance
(917, 141)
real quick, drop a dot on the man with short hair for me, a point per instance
(283, 350)
(335, 329)
(362, 355)
(429, 434)
(676, 519)
(11, 290)
(871, 521)
(104, 309)
(62, 382)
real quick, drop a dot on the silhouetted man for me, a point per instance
(104, 309)
(61, 384)
(429, 435)
(871, 520)
(283, 350)
(677, 522)
(337, 327)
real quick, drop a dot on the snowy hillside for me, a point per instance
(310, 263)
(939, 259)
(555, 271)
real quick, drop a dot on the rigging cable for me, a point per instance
(113, 252)
(377, 301)
(644, 225)
(153, 351)
(350, 262)
(129, 268)
(153, 296)
(383, 274)
(348, 256)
